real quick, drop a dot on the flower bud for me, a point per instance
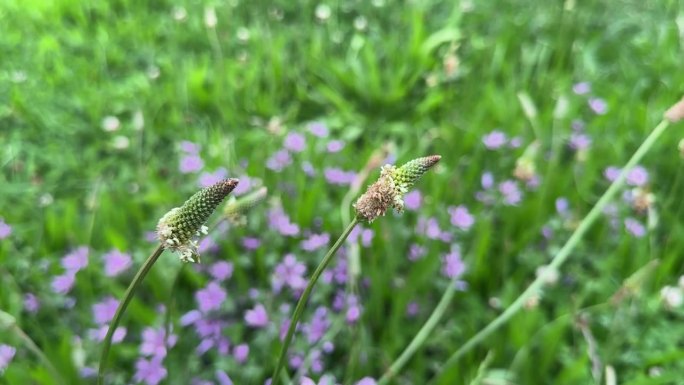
(390, 188)
(178, 228)
(236, 208)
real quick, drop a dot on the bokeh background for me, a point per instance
(114, 112)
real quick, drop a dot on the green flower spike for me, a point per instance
(390, 188)
(235, 209)
(179, 228)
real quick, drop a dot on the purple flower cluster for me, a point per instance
(289, 273)
(315, 242)
(103, 313)
(596, 104)
(5, 229)
(72, 263)
(280, 222)
(279, 160)
(338, 176)
(508, 193)
(361, 234)
(6, 355)
(453, 266)
(190, 161)
(116, 262)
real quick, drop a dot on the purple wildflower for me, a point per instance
(151, 372)
(487, 180)
(221, 270)
(318, 129)
(635, 227)
(429, 227)
(598, 105)
(62, 284)
(413, 200)
(211, 297)
(308, 169)
(353, 309)
(31, 303)
(315, 241)
(494, 140)
(6, 354)
(251, 243)
(296, 361)
(581, 88)
(223, 378)
(208, 179)
(637, 176)
(511, 193)
(611, 173)
(189, 148)
(416, 252)
(278, 161)
(318, 326)
(240, 353)
(116, 263)
(190, 163)
(579, 141)
(461, 217)
(289, 273)
(155, 342)
(562, 205)
(515, 142)
(207, 245)
(190, 317)
(295, 142)
(366, 381)
(87, 372)
(283, 328)
(244, 186)
(335, 146)
(412, 309)
(76, 260)
(280, 222)
(338, 176)
(104, 311)
(5, 229)
(257, 317)
(211, 333)
(99, 334)
(453, 266)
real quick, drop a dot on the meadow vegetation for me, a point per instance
(114, 112)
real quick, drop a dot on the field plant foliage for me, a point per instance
(114, 112)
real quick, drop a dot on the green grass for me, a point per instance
(66, 65)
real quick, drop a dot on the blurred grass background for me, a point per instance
(424, 76)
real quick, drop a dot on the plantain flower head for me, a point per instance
(178, 229)
(393, 184)
(235, 209)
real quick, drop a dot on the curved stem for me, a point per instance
(565, 251)
(299, 309)
(128, 296)
(7, 321)
(421, 336)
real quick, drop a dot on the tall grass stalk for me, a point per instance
(563, 254)
(421, 336)
(8, 322)
(299, 309)
(128, 296)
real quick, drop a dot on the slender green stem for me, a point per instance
(299, 309)
(565, 251)
(422, 335)
(7, 321)
(128, 296)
